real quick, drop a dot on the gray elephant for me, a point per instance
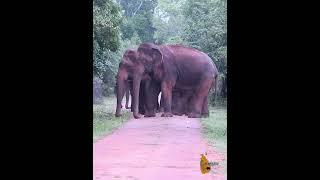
(174, 67)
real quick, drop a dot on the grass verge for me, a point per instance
(214, 129)
(104, 121)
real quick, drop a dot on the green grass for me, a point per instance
(104, 121)
(214, 129)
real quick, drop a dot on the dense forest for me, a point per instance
(122, 24)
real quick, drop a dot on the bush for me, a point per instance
(97, 90)
(218, 96)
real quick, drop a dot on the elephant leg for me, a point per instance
(161, 104)
(175, 102)
(199, 98)
(180, 103)
(158, 91)
(180, 109)
(166, 89)
(127, 98)
(150, 110)
(188, 107)
(150, 99)
(197, 102)
(141, 102)
(188, 104)
(132, 100)
(157, 104)
(157, 107)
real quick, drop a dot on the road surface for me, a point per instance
(155, 148)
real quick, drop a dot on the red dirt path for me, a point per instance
(154, 148)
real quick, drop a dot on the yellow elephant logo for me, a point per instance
(204, 165)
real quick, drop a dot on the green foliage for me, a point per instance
(206, 27)
(127, 28)
(138, 18)
(97, 90)
(143, 27)
(106, 36)
(133, 42)
(215, 127)
(106, 21)
(168, 21)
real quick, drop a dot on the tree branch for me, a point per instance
(138, 8)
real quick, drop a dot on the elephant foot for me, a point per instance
(161, 109)
(205, 115)
(142, 113)
(118, 115)
(127, 107)
(193, 115)
(177, 113)
(150, 115)
(167, 115)
(137, 116)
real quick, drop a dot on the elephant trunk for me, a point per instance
(121, 87)
(127, 96)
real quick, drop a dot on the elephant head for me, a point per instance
(129, 68)
(151, 57)
(136, 65)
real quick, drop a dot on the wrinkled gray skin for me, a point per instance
(173, 66)
(127, 92)
(183, 69)
(141, 104)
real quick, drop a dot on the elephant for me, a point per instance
(128, 92)
(173, 66)
(140, 103)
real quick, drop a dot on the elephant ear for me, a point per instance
(129, 57)
(157, 55)
(131, 53)
(158, 67)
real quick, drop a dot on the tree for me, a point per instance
(206, 29)
(168, 21)
(106, 36)
(138, 18)
(205, 24)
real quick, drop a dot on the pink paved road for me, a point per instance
(154, 148)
